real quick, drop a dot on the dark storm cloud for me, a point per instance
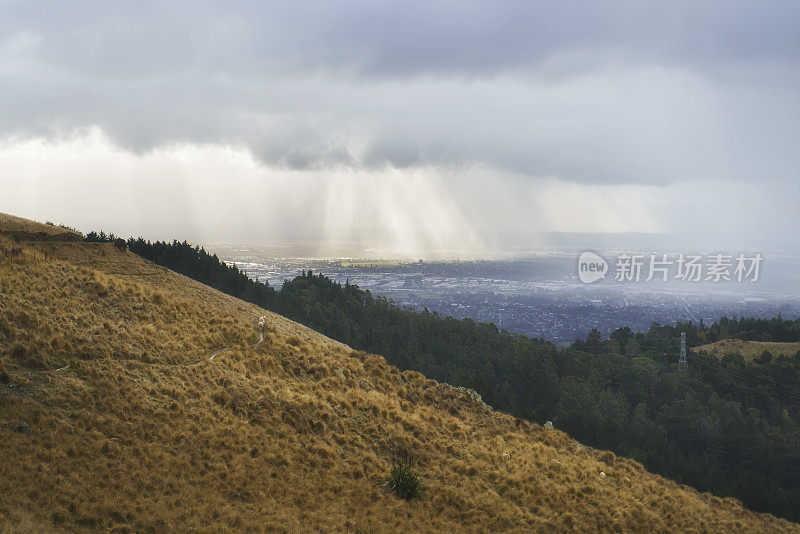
(604, 92)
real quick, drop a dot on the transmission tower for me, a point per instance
(682, 361)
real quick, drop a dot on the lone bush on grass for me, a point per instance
(404, 480)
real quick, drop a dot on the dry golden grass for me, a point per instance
(749, 350)
(28, 229)
(114, 417)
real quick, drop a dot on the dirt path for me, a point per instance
(211, 358)
(193, 364)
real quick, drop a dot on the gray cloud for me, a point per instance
(143, 39)
(605, 93)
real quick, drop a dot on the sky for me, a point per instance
(451, 127)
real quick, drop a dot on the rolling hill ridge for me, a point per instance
(135, 399)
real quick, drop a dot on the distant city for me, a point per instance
(537, 295)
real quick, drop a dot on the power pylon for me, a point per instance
(682, 365)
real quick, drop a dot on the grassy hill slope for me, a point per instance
(18, 228)
(135, 399)
(749, 350)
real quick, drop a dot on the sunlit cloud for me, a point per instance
(215, 192)
(405, 126)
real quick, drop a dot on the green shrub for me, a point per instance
(404, 480)
(4, 377)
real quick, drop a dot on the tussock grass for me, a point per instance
(11, 224)
(749, 350)
(130, 427)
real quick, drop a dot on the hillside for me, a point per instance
(624, 393)
(18, 228)
(749, 350)
(135, 399)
